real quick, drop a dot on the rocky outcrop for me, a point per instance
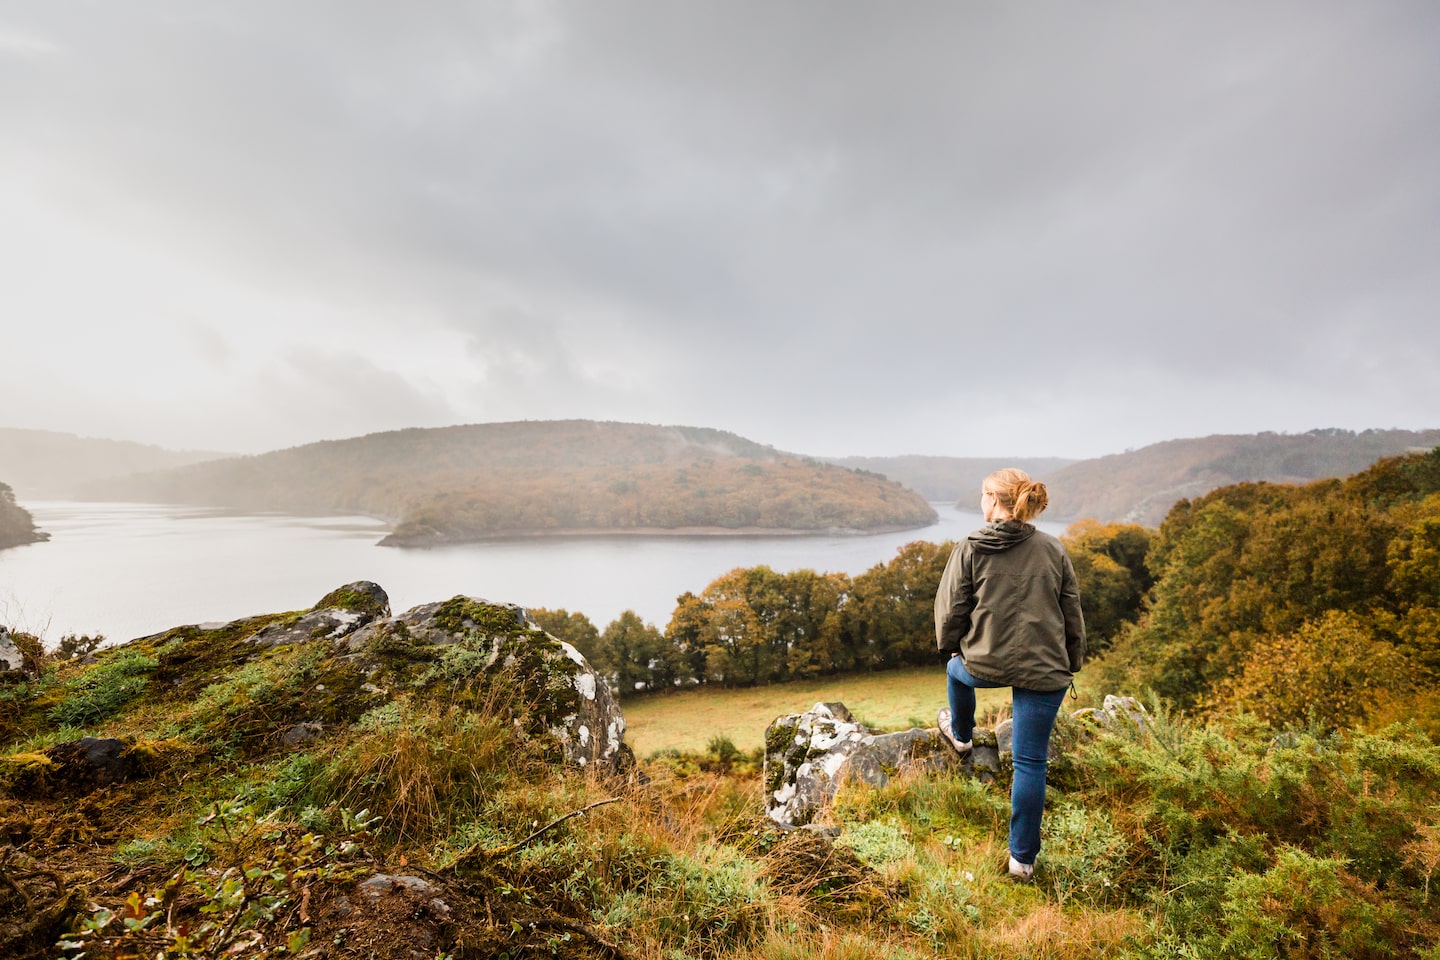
(554, 680)
(808, 756)
(17, 527)
(463, 640)
(473, 654)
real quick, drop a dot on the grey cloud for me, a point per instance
(856, 214)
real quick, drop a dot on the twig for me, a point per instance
(504, 852)
(5, 878)
(555, 923)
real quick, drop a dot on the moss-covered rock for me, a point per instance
(472, 650)
(362, 596)
(809, 755)
(237, 689)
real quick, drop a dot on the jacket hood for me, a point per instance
(1001, 535)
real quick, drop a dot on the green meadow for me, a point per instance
(687, 720)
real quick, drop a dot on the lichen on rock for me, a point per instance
(808, 756)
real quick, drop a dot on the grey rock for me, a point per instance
(87, 764)
(384, 884)
(1125, 708)
(327, 621)
(10, 656)
(1115, 709)
(808, 756)
(106, 758)
(1004, 734)
(302, 733)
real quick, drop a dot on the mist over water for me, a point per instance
(128, 570)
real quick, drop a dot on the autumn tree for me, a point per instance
(890, 619)
(1110, 565)
(1331, 672)
(630, 652)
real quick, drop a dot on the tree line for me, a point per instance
(757, 625)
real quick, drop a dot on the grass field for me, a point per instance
(686, 720)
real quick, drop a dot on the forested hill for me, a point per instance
(43, 465)
(16, 525)
(536, 477)
(1141, 486)
(949, 478)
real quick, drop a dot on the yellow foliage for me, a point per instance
(1333, 672)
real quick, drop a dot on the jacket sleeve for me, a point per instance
(954, 601)
(1074, 618)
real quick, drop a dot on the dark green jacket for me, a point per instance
(1009, 603)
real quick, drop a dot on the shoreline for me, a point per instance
(427, 542)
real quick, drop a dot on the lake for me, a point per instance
(126, 570)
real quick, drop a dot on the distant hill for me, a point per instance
(17, 527)
(544, 477)
(43, 465)
(1141, 486)
(949, 478)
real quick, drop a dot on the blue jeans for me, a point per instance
(1034, 717)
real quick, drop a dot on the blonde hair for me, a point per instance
(1023, 498)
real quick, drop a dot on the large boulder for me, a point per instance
(466, 637)
(809, 755)
(471, 653)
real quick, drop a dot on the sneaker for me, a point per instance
(1021, 871)
(962, 747)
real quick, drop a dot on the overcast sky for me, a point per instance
(839, 228)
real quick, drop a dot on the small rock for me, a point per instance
(1121, 708)
(384, 884)
(302, 733)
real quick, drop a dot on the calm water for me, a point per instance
(127, 570)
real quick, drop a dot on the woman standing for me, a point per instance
(1008, 613)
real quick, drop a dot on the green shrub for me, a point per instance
(1084, 854)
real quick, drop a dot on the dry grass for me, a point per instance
(421, 770)
(1046, 931)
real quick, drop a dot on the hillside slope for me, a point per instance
(1141, 486)
(545, 477)
(44, 465)
(949, 478)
